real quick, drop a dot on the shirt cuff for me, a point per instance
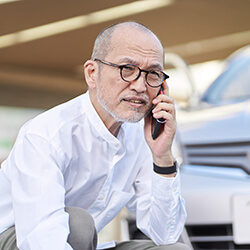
(162, 186)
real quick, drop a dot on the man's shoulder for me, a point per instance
(52, 120)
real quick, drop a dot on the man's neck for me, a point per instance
(115, 128)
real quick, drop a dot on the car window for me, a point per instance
(232, 85)
(239, 86)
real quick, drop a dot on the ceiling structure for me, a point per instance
(43, 44)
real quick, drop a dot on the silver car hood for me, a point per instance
(221, 124)
(216, 137)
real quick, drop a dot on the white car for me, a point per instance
(214, 137)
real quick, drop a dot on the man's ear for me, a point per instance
(90, 72)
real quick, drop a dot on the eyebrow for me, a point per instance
(132, 61)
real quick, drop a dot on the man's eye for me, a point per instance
(129, 71)
(155, 74)
(128, 68)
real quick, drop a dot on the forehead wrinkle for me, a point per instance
(129, 60)
(152, 51)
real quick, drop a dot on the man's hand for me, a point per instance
(161, 146)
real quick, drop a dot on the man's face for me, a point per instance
(121, 100)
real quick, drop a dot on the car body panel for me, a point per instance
(214, 138)
(209, 191)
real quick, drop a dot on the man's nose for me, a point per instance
(139, 85)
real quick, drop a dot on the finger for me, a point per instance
(164, 115)
(165, 88)
(164, 106)
(170, 115)
(163, 99)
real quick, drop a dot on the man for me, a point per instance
(90, 157)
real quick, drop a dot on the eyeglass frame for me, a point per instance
(165, 76)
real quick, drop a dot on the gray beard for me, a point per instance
(117, 116)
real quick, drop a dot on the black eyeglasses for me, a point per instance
(131, 72)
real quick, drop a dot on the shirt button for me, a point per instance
(116, 144)
(102, 197)
(175, 189)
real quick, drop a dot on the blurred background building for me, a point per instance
(43, 44)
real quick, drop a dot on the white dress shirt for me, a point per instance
(67, 157)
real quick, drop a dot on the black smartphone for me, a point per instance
(157, 123)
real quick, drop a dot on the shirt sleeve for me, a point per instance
(167, 213)
(38, 195)
(160, 209)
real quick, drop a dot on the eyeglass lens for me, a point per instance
(130, 73)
